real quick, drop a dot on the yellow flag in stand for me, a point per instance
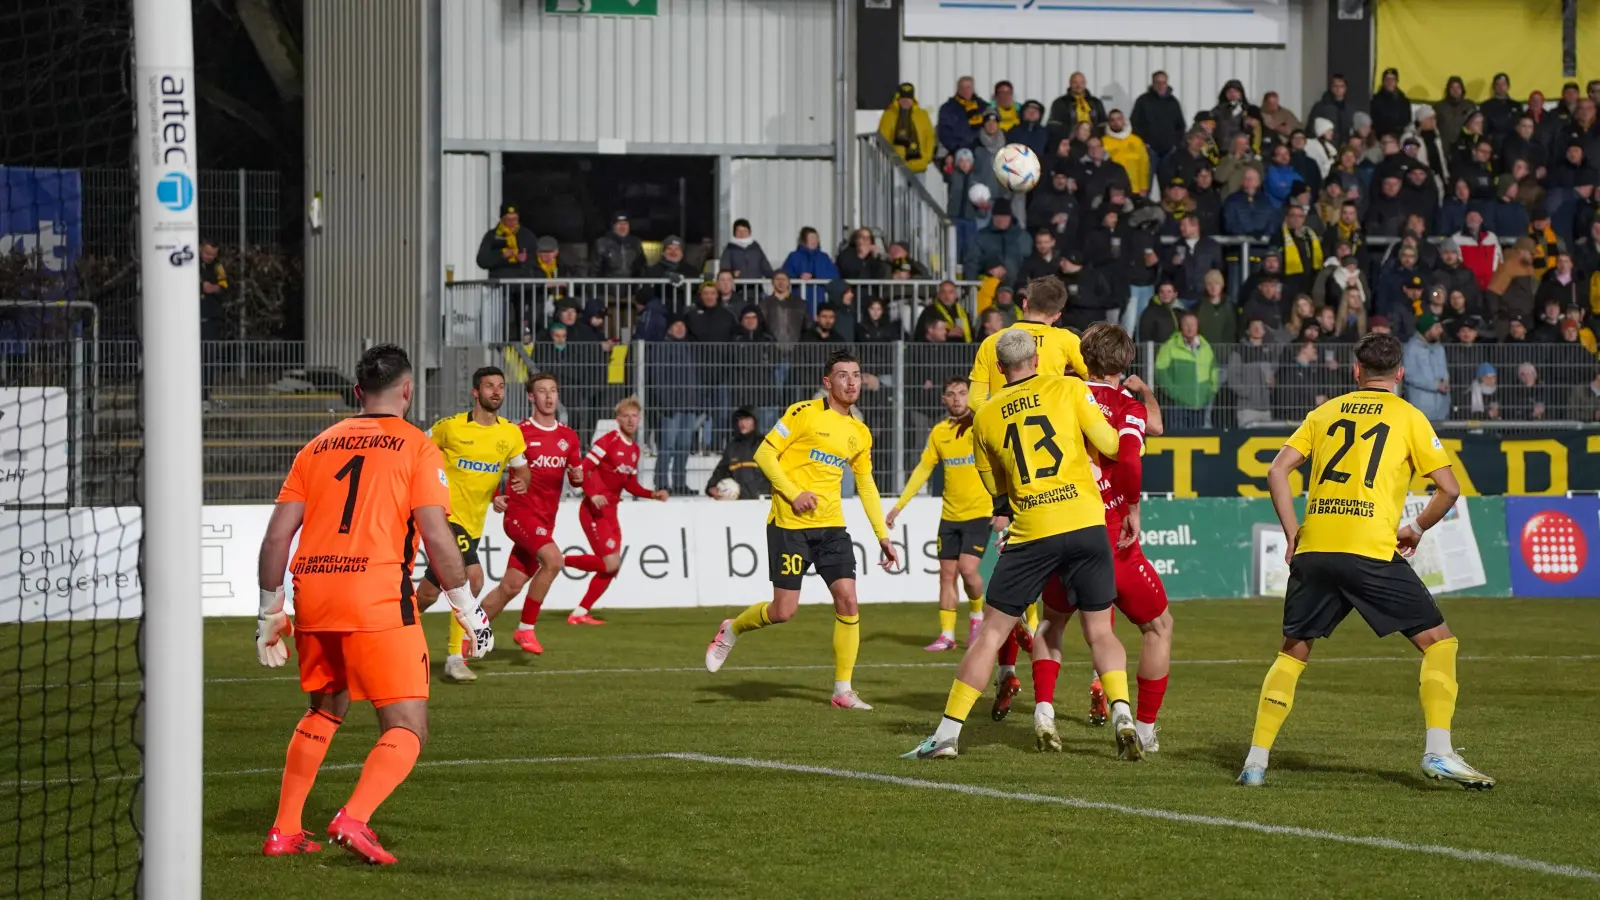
(617, 371)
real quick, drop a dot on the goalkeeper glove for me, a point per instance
(474, 621)
(272, 626)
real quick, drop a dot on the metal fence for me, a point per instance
(237, 206)
(262, 403)
(895, 201)
(506, 310)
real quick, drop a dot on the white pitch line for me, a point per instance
(1380, 843)
(1503, 859)
(660, 670)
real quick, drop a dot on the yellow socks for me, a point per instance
(975, 606)
(751, 619)
(1277, 698)
(457, 635)
(846, 644)
(962, 697)
(947, 623)
(1115, 684)
(1438, 691)
(1032, 616)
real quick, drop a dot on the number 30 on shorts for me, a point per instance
(791, 564)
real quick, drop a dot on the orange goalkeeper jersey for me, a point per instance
(360, 481)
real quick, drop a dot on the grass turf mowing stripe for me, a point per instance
(1485, 856)
(658, 670)
(1502, 859)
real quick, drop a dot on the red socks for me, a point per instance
(1151, 693)
(1008, 650)
(585, 562)
(307, 746)
(1044, 680)
(597, 586)
(530, 611)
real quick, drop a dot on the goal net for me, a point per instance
(70, 438)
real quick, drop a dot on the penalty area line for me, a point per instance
(1486, 856)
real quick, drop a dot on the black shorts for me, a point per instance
(469, 552)
(1324, 587)
(966, 538)
(1082, 558)
(791, 551)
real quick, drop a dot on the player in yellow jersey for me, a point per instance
(1029, 447)
(1059, 353)
(965, 520)
(1364, 448)
(804, 457)
(479, 447)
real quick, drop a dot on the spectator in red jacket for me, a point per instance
(1480, 249)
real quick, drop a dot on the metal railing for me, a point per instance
(508, 310)
(895, 201)
(262, 404)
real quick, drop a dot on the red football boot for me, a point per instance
(1003, 692)
(359, 839)
(584, 619)
(280, 844)
(1098, 708)
(527, 640)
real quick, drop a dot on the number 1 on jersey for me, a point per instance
(353, 470)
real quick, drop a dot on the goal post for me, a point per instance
(169, 234)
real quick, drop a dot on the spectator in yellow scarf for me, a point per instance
(907, 128)
(500, 253)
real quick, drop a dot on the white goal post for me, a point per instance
(169, 233)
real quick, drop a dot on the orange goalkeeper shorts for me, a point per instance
(379, 666)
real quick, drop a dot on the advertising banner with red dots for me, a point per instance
(1554, 542)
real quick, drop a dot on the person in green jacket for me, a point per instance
(1186, 371)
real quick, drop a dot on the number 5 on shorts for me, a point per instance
(791, 564)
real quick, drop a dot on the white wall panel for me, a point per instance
(1118, 71)
(467, 210)
(779, 197)
(755, 72)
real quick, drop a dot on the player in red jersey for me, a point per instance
(554, 453)
(1108, 350)
(611, 467)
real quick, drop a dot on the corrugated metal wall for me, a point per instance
(1120, 71)
(779, 196)
(702, 71)
(468, 212)
(364, 117)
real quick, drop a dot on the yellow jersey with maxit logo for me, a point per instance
(475, 457)
(808, 450)
(1030, 448)
(1059, 354)
(1364, 448)
(950, 447)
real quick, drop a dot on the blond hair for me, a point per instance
(629, 402)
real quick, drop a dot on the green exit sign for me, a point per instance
(602, 7)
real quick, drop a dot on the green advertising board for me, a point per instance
(602, 7)
(1205, 547)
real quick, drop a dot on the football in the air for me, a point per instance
(1016, 168)
(727, 489)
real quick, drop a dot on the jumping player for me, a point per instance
(359, 495)
(1059, 354)
(1029, 445)
(1108, 350)
(611, 467)
(964, 520)
(478, 445)
(554, 452)
(804, 457)
(1364, 448)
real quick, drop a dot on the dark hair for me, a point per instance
(738, 223)
(1379, 354)
(542, 376)
(1337, 76)
(828, 307)
(1047, 295)
(837, 357)
(1008, 84)
(805, 231)
(1188, 314)
(1107, 349)
(380, 367)
(955, 380)
(485, 372)
(1161, 72)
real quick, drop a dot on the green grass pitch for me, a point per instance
(547, 777)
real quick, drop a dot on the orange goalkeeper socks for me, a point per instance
(307, 747)
(387, 765)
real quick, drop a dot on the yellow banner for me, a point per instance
(1430, 40)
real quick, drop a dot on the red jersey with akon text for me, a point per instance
(550, 451)
(1120, 481)
(611, 467)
